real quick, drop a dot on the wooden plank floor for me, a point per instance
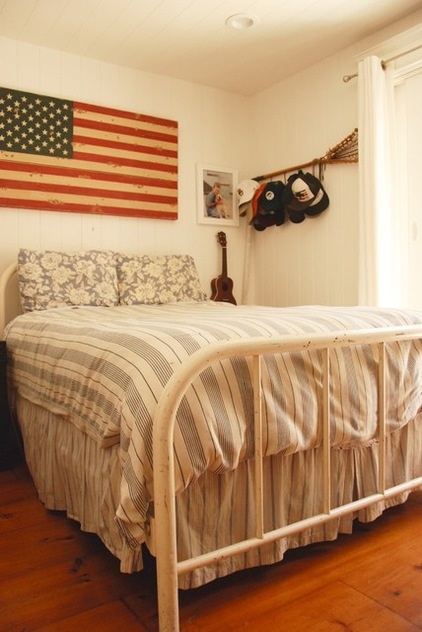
(54, 578)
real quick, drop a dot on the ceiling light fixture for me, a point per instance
(242, 21)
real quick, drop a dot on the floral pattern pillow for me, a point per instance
(147, 279)
(49, 279)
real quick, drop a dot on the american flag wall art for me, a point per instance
(62, 155)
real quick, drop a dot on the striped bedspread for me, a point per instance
(104, 369)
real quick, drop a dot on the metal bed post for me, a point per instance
(381, 418)
(259, 475)
(326, 429)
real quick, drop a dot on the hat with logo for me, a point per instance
(268, 206)
(304, 195)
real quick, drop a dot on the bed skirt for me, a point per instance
(72, 473)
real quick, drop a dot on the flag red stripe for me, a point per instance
(114, 144)
(92, 175)
(122, 129)
(48, 205)
(144, 118)
(75, 190)
(129, 162)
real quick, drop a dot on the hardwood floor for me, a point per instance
(54, 578)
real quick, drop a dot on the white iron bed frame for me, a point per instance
(168, 567)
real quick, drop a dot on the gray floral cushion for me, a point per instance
(49, 279)
(152, 280)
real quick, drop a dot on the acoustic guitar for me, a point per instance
(222, 286)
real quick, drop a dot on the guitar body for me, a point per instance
(222, 286)
(222, 290)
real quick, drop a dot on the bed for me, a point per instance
(218, 436)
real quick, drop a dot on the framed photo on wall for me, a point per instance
(216, 195)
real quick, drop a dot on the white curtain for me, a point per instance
(379, 259)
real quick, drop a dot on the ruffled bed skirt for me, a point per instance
(72, 473)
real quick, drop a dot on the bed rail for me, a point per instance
(168, 567)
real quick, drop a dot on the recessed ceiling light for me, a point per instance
(242, 21)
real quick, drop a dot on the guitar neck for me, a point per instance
(224, 263)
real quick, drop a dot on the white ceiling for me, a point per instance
(189, 40)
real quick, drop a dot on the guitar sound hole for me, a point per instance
(225, 287)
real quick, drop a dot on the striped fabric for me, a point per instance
(72, 473)
(105, 368)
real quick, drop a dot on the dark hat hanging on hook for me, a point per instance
(304, 196)
(268, 207)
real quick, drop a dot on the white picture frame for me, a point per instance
(221, 212)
